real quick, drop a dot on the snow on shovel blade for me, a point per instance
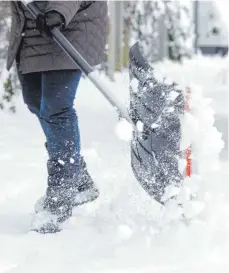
(156, 106)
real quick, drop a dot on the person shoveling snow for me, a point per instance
(49, 77)
(49, 80)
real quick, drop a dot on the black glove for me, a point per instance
(49, 20)
(54, 19)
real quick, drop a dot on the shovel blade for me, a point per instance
(156, 153)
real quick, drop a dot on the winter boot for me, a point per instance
(56, 206)
(86, 192)
(58, 203)
(54, 212)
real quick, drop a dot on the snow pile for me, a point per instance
(206, 139)
(209, 73)
(199, 133)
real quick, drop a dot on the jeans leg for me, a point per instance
(61, 123)
(31, 92)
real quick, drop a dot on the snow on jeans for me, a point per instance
(50, 96)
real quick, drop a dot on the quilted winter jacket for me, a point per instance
(86, 29)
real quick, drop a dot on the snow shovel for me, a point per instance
(156, 104)
(155, 148)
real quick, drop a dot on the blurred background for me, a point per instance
(165, 30)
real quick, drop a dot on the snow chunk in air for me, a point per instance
(124, 130)
(134, 85)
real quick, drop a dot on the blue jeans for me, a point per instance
(50, 96)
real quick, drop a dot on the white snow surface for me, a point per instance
(122, 231)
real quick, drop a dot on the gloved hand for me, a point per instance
(50, 20)
(54, 19)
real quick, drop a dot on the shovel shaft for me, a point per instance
(79, 60)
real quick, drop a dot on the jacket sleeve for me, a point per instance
(66, 8)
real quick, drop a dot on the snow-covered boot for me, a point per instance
(86, 191)
(56, 206)
(54, 212)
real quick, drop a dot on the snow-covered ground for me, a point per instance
(117, 233)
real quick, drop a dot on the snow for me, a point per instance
(124, 130)
(134, 85)
(61, 162)
(72, 160)
(27, 1)
(154, 126)
(124, 230)
(140, 126)
(173, 95)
